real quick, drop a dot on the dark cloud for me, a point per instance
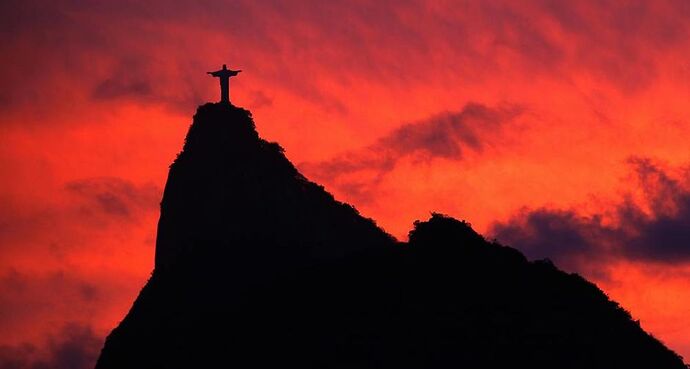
(563, 236)
(141, 80)
(28, 297)
(446, 136)
(114, 197)
(654, 229)
(67, 221)
(75, 346)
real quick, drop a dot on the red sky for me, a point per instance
(560, 129)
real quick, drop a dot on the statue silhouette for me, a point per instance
(224, 76)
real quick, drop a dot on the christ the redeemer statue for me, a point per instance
(224, 76)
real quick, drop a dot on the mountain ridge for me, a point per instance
(256, 266)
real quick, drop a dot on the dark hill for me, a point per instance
(256, 267)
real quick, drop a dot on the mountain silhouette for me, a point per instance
(257, 267)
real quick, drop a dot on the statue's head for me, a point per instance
(224, 67)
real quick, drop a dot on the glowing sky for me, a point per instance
(558, 128)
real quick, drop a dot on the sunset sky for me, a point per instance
(559, 128)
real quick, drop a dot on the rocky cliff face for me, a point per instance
(258, 267)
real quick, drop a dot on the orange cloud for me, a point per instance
(97, 97)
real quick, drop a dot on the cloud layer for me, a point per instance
(396, 106)
(75, 347)
(654, 228)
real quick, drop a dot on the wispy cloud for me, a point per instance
(75, 346)
(448, 135)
